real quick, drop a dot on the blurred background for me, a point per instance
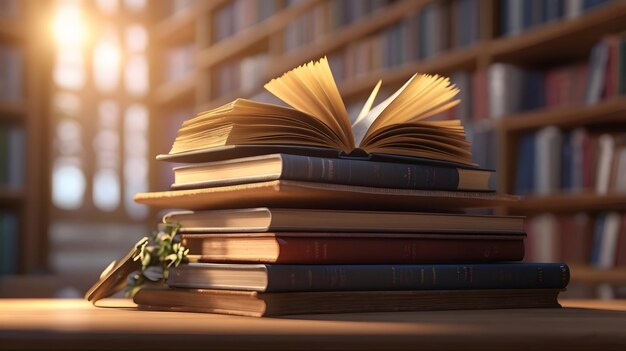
(91, 91)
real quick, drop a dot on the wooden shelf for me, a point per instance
(590, 275)
(250, 37)
(568, 203)
(178, 92)
(350, 33)
(554, 41)
(613, 110)
(454, 60)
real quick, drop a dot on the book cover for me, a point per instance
(353, 248)
(427, 175)
(263, 219)
(369, 277)
(294, 194)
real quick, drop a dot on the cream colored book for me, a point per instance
(318, 120)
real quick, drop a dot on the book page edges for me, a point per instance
(296, 194)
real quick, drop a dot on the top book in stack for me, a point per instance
(250, 154)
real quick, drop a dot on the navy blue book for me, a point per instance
(598, 237)
(552, 10)
(292, 278)
(534, 90)
(525, 173)
(429, 175)
(504, 18)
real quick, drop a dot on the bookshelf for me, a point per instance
(23, 103)
(569, 39)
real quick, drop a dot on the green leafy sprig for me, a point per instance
(157, 253)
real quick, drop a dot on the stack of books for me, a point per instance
(299, 210)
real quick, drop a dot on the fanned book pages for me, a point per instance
(318, 122)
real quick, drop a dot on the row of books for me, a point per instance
(519, 16)
(9, 228)
(12, 157)
(514, 89)
(242, 76)
(420, 36)
(435, 27)
(326, 18)
(237, 15)
(578, 239)
(551, 161)
(10, 73)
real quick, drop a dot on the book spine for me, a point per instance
(308, 250)
(366, 173)
(284, 278)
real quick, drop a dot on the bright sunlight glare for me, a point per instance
(68, 26)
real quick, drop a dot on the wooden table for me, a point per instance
(75, 324)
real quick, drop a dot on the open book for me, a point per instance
(319, 119)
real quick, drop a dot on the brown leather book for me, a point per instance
(355, 248)
(255, 304)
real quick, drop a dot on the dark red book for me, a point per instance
(480, 105)
(577, 238)
(355, 248)
(610, 74)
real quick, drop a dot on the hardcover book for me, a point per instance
(264, 219)
(255, 304)
(353, 248)
(369, 277)
(425, 175)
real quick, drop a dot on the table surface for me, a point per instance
(76, 324)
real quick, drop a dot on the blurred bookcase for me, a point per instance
(210, 53)
(23, 102)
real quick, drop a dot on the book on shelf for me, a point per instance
(353, 248)
(369, 277)
(607, 231)
(425, 175)
(9, 237)
(242, 76)
(12, 142)
(318, 120)
(548, 156)
(255, 304)
(517, 17)
(262, 219)
(238, 15)
(514, 89)
(295, 194)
